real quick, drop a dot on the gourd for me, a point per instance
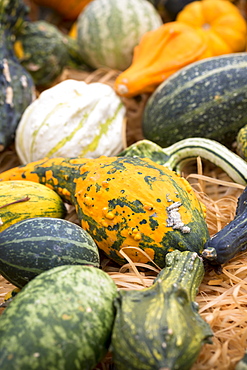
(177, 155)
(220, 22)
(241, 141)
(242, 364)
(62, 319)
(42, 50)
(204, 99)
(153, 59)
(159, 327)
(69, 119)
(231, 239)
(108, 31)
(20, 200)
(123, 202)
(35, 245)
(17, 87)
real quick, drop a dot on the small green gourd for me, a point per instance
(160, 327)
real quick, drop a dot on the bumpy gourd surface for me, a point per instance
(125, 202)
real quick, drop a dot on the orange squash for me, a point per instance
(160, 53)
(69, 9)
(221, 23)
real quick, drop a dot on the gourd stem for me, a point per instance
(183, 151)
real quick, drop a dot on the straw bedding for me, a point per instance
(222, 298)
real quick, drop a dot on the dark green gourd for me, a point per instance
(44, 51)
(61, 320)
(160, 327)
(230, 240)
(17, 87)
(35, 245)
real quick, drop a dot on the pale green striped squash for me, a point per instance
(71, 119)
(108, 31)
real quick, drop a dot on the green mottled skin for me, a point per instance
(45, 51)
(33, 246)
(73, 180)
(242, 142)
(205, 99)
(61, 320)
(160, 327)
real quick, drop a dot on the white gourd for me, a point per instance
(71, 119)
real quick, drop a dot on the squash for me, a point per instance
(108, 31)
(153, 60)
(69, 10)
(159, 327)
(72, 118)
(221, 23)
(180, 153)
(125, 202)
(230, 240)
(17, 88)
(32, 246)
(20, 200)
(204, 99)
(241, 141)
(42, 50)
(62, 319)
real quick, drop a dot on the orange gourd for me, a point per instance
(160, 53)
(69, 9)
(221, 23)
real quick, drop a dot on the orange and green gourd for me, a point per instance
(125, 202)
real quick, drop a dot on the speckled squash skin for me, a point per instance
(41, 49)
(205, 99)
(17, 87)
(123, 201)
(241, 141)
(61, 320)
(33, 246)
(20, 200)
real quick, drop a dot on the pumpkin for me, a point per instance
(68, 9)
(69, 119)
(159, 54)
(125, 202)
(220, 22)
(108, 31)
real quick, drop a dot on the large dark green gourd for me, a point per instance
(17, 87)
(207, 99)
(35, 245)
(61, 320)
(230, 240)
(160, 327)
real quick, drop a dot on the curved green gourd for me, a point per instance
(176, 155)
(17, 87)
(160, 327)
(62, 320)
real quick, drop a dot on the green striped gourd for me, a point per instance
(70, 119)
(17, 87)
(177, 155)
(33, 246)
(20, 200)
(62, 320)
(205, 99)
(125, 202)
(160, 327)
(108, 31)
